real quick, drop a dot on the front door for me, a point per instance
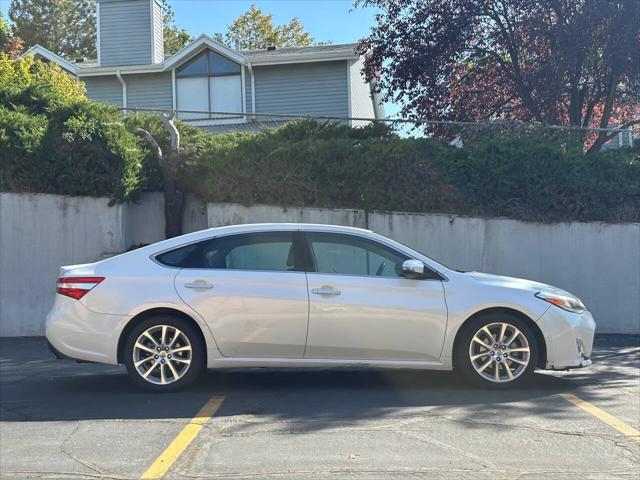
(249, 290)
(361, 308)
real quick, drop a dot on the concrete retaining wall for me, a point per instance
(38, 233)
(598, 262)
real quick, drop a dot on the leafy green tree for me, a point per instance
(5, 31)
(255, 30)
(174, 38)
(10, 44)
(66, 27)
(20, 78)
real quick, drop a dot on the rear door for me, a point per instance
(361, 308)
(250, 291)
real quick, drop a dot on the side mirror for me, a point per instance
(413, 269)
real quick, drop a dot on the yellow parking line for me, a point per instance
(167, 458)
(602, 415)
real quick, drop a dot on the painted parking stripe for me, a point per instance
(604, 416)
(167, 458)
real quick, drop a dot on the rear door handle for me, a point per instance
(198, 285)
(326, 291)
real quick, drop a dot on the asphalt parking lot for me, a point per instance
(60, 419)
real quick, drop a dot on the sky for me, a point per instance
(334, 20)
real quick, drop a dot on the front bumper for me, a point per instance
(75, 332)
(568, 337)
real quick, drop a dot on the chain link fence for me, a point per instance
(454, 132)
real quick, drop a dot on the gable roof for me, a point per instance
(200, 43)
(318, 53)
(52, 57)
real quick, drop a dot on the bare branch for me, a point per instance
(169, 124)
(157, 151)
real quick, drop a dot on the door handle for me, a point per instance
(326, 291)
(203, 285)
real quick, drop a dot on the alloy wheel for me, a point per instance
(162, 354)
(499, 352)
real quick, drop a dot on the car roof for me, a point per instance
(261, 227)
(242, 228)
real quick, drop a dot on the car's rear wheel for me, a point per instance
(164, 353)
(497, 350)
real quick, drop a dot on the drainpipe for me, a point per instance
(124, 88)
(253, 90)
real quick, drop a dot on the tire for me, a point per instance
(176, 365)
(481, 371)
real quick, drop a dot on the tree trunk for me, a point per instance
(173, 210)
(169, 164)
(606, 115)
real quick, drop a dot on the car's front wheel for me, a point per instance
(497, 350)
(164, 353)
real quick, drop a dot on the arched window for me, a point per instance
(209, 82)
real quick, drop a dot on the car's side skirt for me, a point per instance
(234, 362)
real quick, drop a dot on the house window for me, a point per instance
(209, 83)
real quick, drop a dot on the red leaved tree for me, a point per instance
(574, 62)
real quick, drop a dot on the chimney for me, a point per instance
(129, 32)
(236, 43)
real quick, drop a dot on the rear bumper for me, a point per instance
(61, 356)
(57, 353)
(75, 332)
(568, 337)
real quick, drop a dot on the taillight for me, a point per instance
(76, 287)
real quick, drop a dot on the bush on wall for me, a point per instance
(525, 175)
(53, 140)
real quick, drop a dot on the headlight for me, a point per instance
(568, 303)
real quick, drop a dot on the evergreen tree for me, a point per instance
(66, 27)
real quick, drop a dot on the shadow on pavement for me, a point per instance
(35, 387)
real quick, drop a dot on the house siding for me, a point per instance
(149, 90)
(125, 32)
(361, 102)
(319, 88)
(105, 89)
(158, 35)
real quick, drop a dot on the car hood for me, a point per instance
(515, 283)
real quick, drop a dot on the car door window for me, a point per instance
(268, 251)
(271, 251)
(353, 255)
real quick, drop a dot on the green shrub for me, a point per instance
(537, 176)
(53, 140)
(79, 149)
(529, 175)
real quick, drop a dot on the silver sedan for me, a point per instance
(293, 295)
